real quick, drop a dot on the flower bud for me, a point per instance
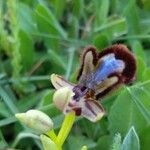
(48, 144)
(62, 97)
(36, 120)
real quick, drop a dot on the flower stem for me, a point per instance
(65, 128)
(52, 135)
(48, 144)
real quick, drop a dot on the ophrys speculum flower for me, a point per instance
(99, 74)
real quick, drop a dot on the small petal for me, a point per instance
(62, 97)
(92, 110)
(89, 109)
(36, 120)
(107, 86)
(48, 144)
(88, 62)
(59, 82)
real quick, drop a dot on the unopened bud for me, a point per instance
(48, 144)
(36, 120)
(62, 97)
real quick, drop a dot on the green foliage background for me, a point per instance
(41, 37)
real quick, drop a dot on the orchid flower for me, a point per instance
(99, 74)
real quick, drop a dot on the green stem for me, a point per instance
(52, 135)
(48, 144)
(65, 128)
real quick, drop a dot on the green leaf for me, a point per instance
(76, 142)
(28, 102)
(116, 142)
(131, 108)
(7, 121)
(101, 11)
(3, 110)
(100, 41)
(146, 74)
(47, 98)
(141, 97)
(26, 50)
(131, 141)
(144, 24)
(133, 20)
(26, 19)
(147, 60)
(138, 49)
(113, 28)
(144, 139)
(56, 59)
(3, 143)
(48, 24)
(48, 20)
(23, 135)
(114, 4)
(124, 114)
(58, 120)
(74, 27)
(8, 101)
(92, 130)
(59, 8)
(47, 105)
(104, 142)
(141, 66)
(78, 8)
(146, 4)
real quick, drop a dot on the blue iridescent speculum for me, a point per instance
(99, 74)
(109, 65)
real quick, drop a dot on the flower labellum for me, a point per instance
(99, 74)
(36, 120)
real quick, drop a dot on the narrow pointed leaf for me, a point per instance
(131, 141)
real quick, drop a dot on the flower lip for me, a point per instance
(123, 53)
